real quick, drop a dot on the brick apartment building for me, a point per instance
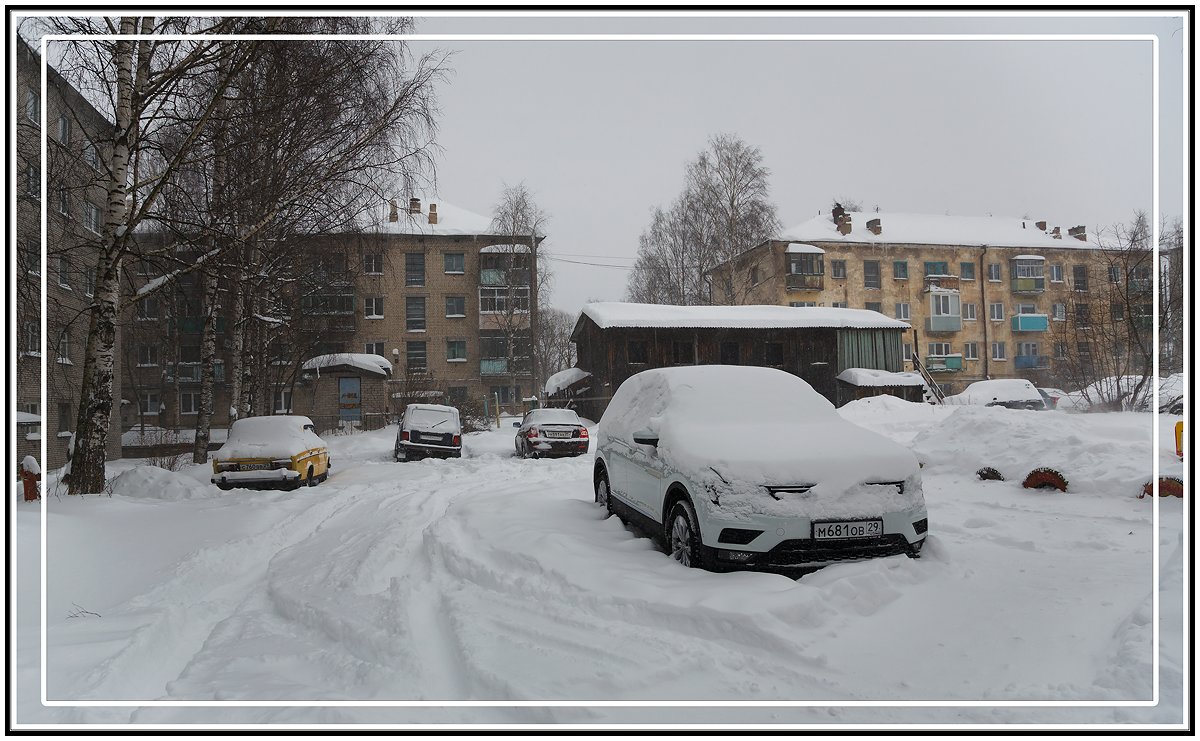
(987, 297)
(71, 192)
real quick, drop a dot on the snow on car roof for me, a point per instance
(275, 436)
(997, 389)
(363, 361)
(550, 415)
(563, 379)
(899, 228)
(608, 314)
(872, 377)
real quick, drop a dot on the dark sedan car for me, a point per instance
(546, 433)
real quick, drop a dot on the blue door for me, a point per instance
(350, 399)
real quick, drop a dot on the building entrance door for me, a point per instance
(350, 399)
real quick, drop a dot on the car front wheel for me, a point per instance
(683, 534)
(603, 494)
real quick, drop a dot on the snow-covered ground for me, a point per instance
(492, 578)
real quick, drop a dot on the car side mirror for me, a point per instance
(645, 437)
(516, 424)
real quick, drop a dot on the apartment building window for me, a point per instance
(147, 356)
(1056, 273)
(66, 420)
(189, 402)
(1027, 308)
(33, 181)
(871, 274)
(282, 401)
(89, 282)
(456, 351)
(415, 357)
(64, 130)
(801, 304)
(64, 272)
(91, 217)
(637, 352)
(91, 155)
(456, 306)
(1058, 312)
(373, 307)
(998, 351)
(903, 311)
(33, 339)
(64, 201)
(374, 348)
(773, 354)
(30, 257)
(682, 353)
(145, 267)
(64, 348)
(804, 263)
(906, 348)
(937, 267)
(900, 270)
(1116, 312)
(147, 308)
(414, 268)
(993, 272)
(1083, 348)
(148, 402)
(454, 263)
(1114, 274)
(971, 351)
(34, 408)
(837, 268)
(414, 313)
(875, 306)
(1060, 351)
(373, 264)
(840, 304)
(996, 312)
(969, 312)
(967, 270)
(189, 354)
(754, 276)
(503, 300)
(33, 107)
(939, 349)
(943, 304)
(1083, 315)
(1079, 277)
(501, 394)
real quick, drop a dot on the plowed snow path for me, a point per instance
(493, 578)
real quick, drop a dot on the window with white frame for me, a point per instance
(32, 337)
(840, 304)
(998, 351)
(1027, 349)
(454, 263)
(903, 311)
(1060, 351)
(189, 402)
(994, 272)
(939, 349)
(64, 129)
(414, 313)
(968, 312)
(89, 282)
(1027, 308)
(1056, 273)
(91, 155)
(1058, 312)
(64, 200)
(456, 350)
(996, 312)
(148, 402)
(907, 349)
(282, 399)
(971, 351)
(91, 217)
(33, 107)
(837, 268)
(1114, 274)
(64, 348)
(456, 306)
(502, 300)
(1079, 276)
(373, 307)
(373, 264)
(944, 304)
(34, 408)
(801, 304)
(147, 355)
(374, 348)
(63, 271)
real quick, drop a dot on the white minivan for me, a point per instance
(749, 467)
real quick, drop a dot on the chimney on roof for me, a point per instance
(837, 213)
(875, 226)
(433, 213)
(1056, 233)
(1040, 225)
(843, 224)
(393, 211)
(1079, 232)
(414, 205)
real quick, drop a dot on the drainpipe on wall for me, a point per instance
(987, 349)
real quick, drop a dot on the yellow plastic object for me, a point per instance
(1179, 439)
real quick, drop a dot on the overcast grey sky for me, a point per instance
(601, 131)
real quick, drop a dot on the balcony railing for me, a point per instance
(501, 277)
(944, 282)
(943, 363)
(1028, 285)
(1030, 323)
(943, 323)
(190, 372)
(1028, 362)
(493, 366)
(799, 282)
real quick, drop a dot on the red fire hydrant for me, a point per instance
(31, 474)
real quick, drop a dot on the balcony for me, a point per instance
(1028, 285)
(502, 277)
(1140, 285)
(799, 282)
(190, 372)
(1030, 323)
(943, 363)
(195, 324)
(941, 282)
(493, 366)
(943, 323)
(1031, 362)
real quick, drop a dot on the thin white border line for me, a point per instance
(44, 256)
(665, 14)
(1153, 38)
(620, 726)
(1154, 432)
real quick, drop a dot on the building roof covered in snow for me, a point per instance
(618, 314)
(897, 228)
(425, 214)
(563, 379)
(363, 361)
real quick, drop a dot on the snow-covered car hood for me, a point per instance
(279, 436)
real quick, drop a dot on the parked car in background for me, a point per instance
(749, 467)
(1052, 396)
(281, 451)
(548, 433)
(1014, 393)
(428, 431)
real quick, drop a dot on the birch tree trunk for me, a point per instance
(96, 397)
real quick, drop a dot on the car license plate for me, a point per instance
(557, 433)
(435, 438)
(847, 529)
(255, 466)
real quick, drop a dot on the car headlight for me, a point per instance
(281, 463)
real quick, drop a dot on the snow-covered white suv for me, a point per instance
(749, 467)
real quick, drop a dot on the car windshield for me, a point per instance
(553, 417)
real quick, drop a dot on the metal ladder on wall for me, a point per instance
(939, 396)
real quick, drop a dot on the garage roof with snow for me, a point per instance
(616, 314)
(363, 361)
(899, 228)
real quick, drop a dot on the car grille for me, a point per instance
(801, 551)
